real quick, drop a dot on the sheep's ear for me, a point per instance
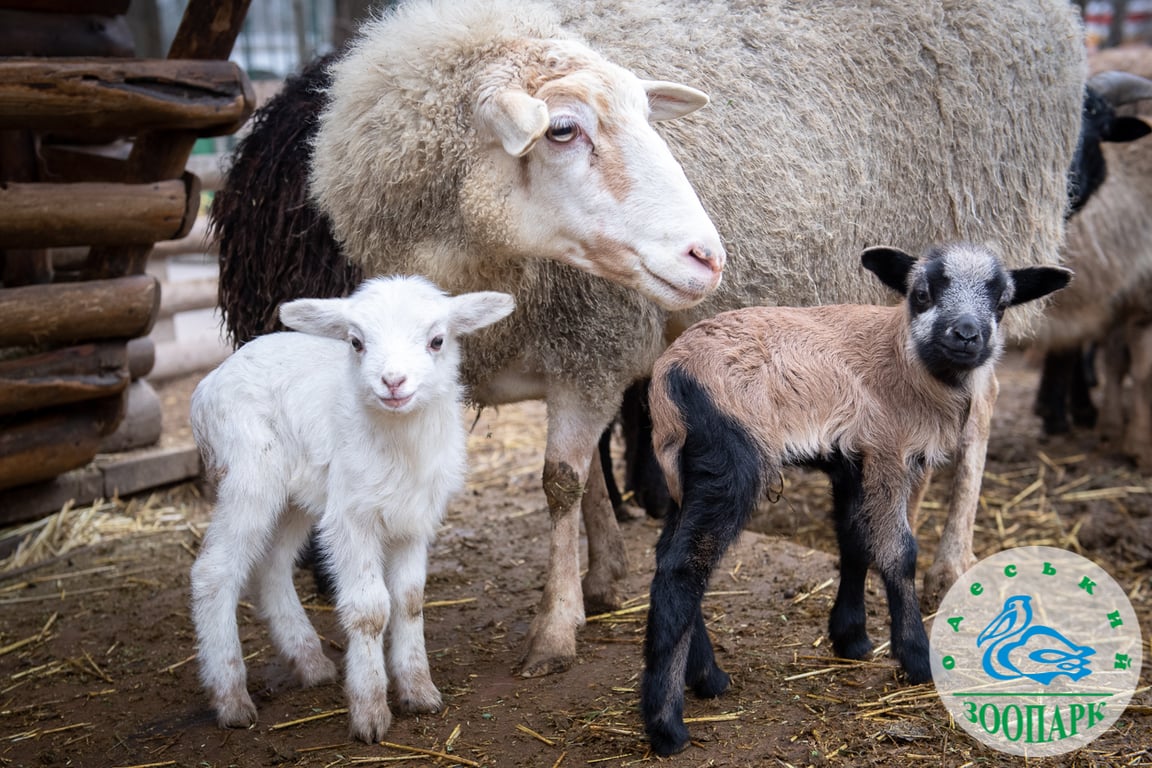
(1032, 283)
(667, 101)
(890, 264)
(319, 317)
(473, 311)
(1125, 128)
(515, 118)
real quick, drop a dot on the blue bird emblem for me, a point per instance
(1018, 649)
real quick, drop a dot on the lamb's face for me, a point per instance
(582, 177)
(956, 297)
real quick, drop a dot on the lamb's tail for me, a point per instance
(275, 244)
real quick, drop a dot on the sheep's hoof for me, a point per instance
(369, 722)
(533, 666)
(668, 739)
(316, 670)
(419, 699)
(937, 581)
(236, 711)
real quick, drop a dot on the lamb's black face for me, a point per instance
(956, 299)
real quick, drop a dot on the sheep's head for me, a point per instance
(573, 168)
(402, 335)
(957, 295)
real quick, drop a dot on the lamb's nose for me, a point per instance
(393, 383)
(967, 330)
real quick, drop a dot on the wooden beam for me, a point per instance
(68, 375)
(42, 446)
(205, 98)
(67, 313)
(52, 34)
(96, 213)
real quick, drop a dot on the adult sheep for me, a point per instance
(831, 127)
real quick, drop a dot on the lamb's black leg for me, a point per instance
(1053, 391)
(1083, 378)
(720, 473)
(847, 623)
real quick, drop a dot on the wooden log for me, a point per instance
(206, 98)
(208, 30)
(62, 376)
(18, 163)
(141, 357)
(42, 34)
(96, 213)
(184, 295)
(67, 313)
(44, 445)
(142, 422)
(100, 7)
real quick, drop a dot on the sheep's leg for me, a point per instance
(406, 572)
(574, 427)
(607, 560)
(847, 624)
(721, 482)
(916, 500)
(1052, 392)
(362, 603)
(1138, 433)
(1115, 362)
(893, 550)
(236, 540)
(954, 553)
(1083, 378)
(291, 631)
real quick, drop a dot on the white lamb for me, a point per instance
(354, 426)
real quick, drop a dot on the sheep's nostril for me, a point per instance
(709, 258)
(393, 383)
(967, 331)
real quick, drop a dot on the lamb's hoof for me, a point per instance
(917, 668)
(668, 738)
(316, 670)
(421, 698)
(712, 684)
(370, 721)
(533, 665)
(236, 711)
(858, 647)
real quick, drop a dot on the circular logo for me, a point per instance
(1035, 651)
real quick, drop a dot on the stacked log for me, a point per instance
(72, 338)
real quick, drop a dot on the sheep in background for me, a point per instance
(831, 126)
(353, 425)
(870, 395)
(1065, 378)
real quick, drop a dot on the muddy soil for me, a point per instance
(96, 645)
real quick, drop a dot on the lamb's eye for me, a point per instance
(436, 343)
(356, 344)
(562, 131)
(922, 297)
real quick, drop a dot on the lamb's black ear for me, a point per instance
(891, 265)
(1035, 282)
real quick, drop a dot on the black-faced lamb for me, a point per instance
(871, 395)
(500, 145)
(354, 425)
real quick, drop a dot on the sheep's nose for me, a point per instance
(967, 330)
(714, 260)
(394, 382)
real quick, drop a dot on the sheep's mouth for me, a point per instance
(396, 403)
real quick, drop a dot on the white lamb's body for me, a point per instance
(359, 432)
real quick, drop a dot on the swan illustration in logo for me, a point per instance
(1018, 649)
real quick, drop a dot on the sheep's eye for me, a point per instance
(436, 343)
(356, 344)
(922, 297)
(562, 132)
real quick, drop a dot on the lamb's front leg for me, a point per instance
(954, 553)
(574, 428)
(363, 606)
(406, 572)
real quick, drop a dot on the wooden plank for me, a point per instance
(205, 98)
(95, 213)
(50, 34)
(32, 501)
(66, 313)
(148, 468)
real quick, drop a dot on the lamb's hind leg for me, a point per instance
(721, 482)
(291, 631)
(237, 538)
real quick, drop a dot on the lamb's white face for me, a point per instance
(403, 335)
(593, 185)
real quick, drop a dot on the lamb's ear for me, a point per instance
(890, 264)
(319, 317)
(515, 118)
(1035, 282)
(667, 101)
(473, 311)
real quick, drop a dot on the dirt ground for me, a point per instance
(96, 643)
